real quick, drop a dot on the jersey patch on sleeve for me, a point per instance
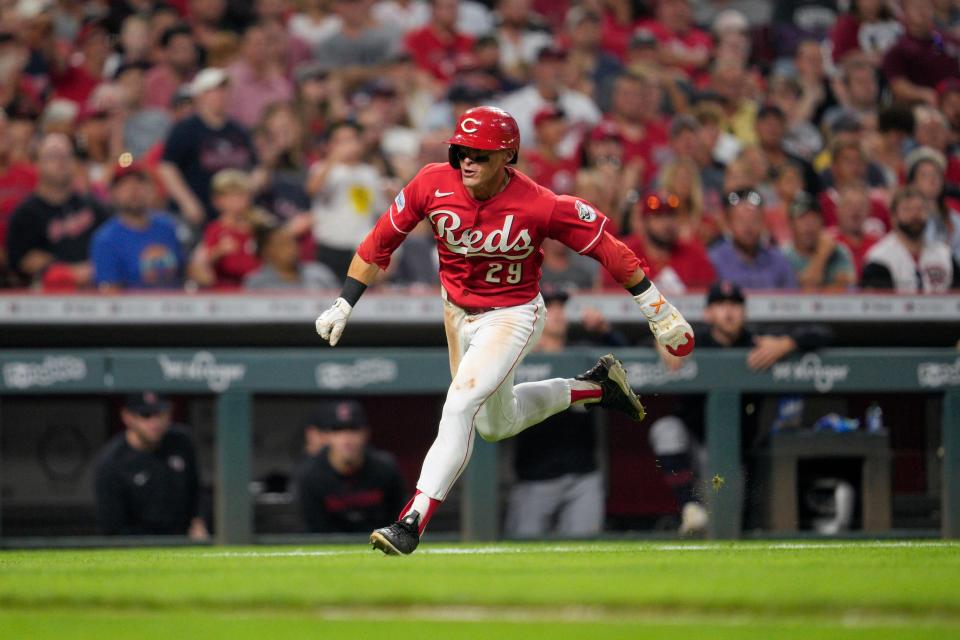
(400, 201)
(585, 211)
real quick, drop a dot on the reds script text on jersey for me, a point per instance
(490, 253)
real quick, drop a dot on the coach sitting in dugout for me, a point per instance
(147, 481)
(345, 485)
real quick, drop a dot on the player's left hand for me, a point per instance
(331, 322)
(674, 334)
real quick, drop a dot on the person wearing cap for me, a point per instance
(904, 260)
(745, 258)
(926, 169)
(819, 261)
(203, 144)
(137, 248)
(548, 87)
(147, 477)
(560, 488)
(544, 163)
(344, 485)
(676, 262)
(48, 239)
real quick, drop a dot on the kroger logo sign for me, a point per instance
(203, 367)
(811, 369)
(50, 371)
(359, 373)
(939, 374)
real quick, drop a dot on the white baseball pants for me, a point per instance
(485, 350)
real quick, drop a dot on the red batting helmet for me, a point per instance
(487, 128)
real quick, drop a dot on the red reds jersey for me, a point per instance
(489, 250)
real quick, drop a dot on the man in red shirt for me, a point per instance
(853, 223)
(545, 165)
(922, 58)
(676, 263)
(438, 46)
(633, 109)
(682, 45)
(489, 221)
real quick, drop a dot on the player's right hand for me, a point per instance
(331, 322)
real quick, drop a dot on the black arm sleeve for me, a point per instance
(876, 276)
(23, 234)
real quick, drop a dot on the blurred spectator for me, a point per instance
(730, 81)
(925, 173)
(137, 248)
(203, 144)
(771, 126)
(801, 138)
(147, 480)
(818, 260)
(949, 94)
(635, 112)
(798, 20)
(758, 12)
(922, 58)
(787, 185)
(361, 45)
(473, 18)
(228, 251)
(681, 45)
(564, 269)
(17, 179)
(676, 262)
(593, 68)
(522, 35)
(346, 486)
(605, 179)
(143, 126)
(176, 66)
(811, 73)
(853, 227)
(76, 77)
(744, 258)
(867, 27)
(849, 166)
(547, 88)
(681, 180)
(49, 233)
(544, 163)
(438, 47)
(559, 487)
(858, 94)
(904, 260)
(895, 127)
(314, 22)
(280, 264)
(256, 79)
(348, 194)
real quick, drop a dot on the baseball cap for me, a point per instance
(803, 203)
(209, 78)
(606, 130)
(125, 170)
(548, 112)
(146, 403)
(338, 415)
(725, 291)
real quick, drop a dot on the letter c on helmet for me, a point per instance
(470, 125)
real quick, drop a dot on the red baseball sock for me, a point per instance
(578, 395)
(425, 506)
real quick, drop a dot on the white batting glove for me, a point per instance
(331, 322)
(667, 324)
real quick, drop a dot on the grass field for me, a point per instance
(717, 591)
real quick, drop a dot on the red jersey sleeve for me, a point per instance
(581, 227)
(404, 214)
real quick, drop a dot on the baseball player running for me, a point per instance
(489, 221)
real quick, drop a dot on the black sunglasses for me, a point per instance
(744, 195)
(473, 155)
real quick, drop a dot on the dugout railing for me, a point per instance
(236, 376)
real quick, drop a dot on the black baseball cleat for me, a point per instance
(400, 538)
(617, 394)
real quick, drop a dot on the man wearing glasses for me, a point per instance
(745, 258)
(489, 221)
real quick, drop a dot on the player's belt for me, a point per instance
(470, 311)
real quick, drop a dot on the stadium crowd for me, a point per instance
(223, 144)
